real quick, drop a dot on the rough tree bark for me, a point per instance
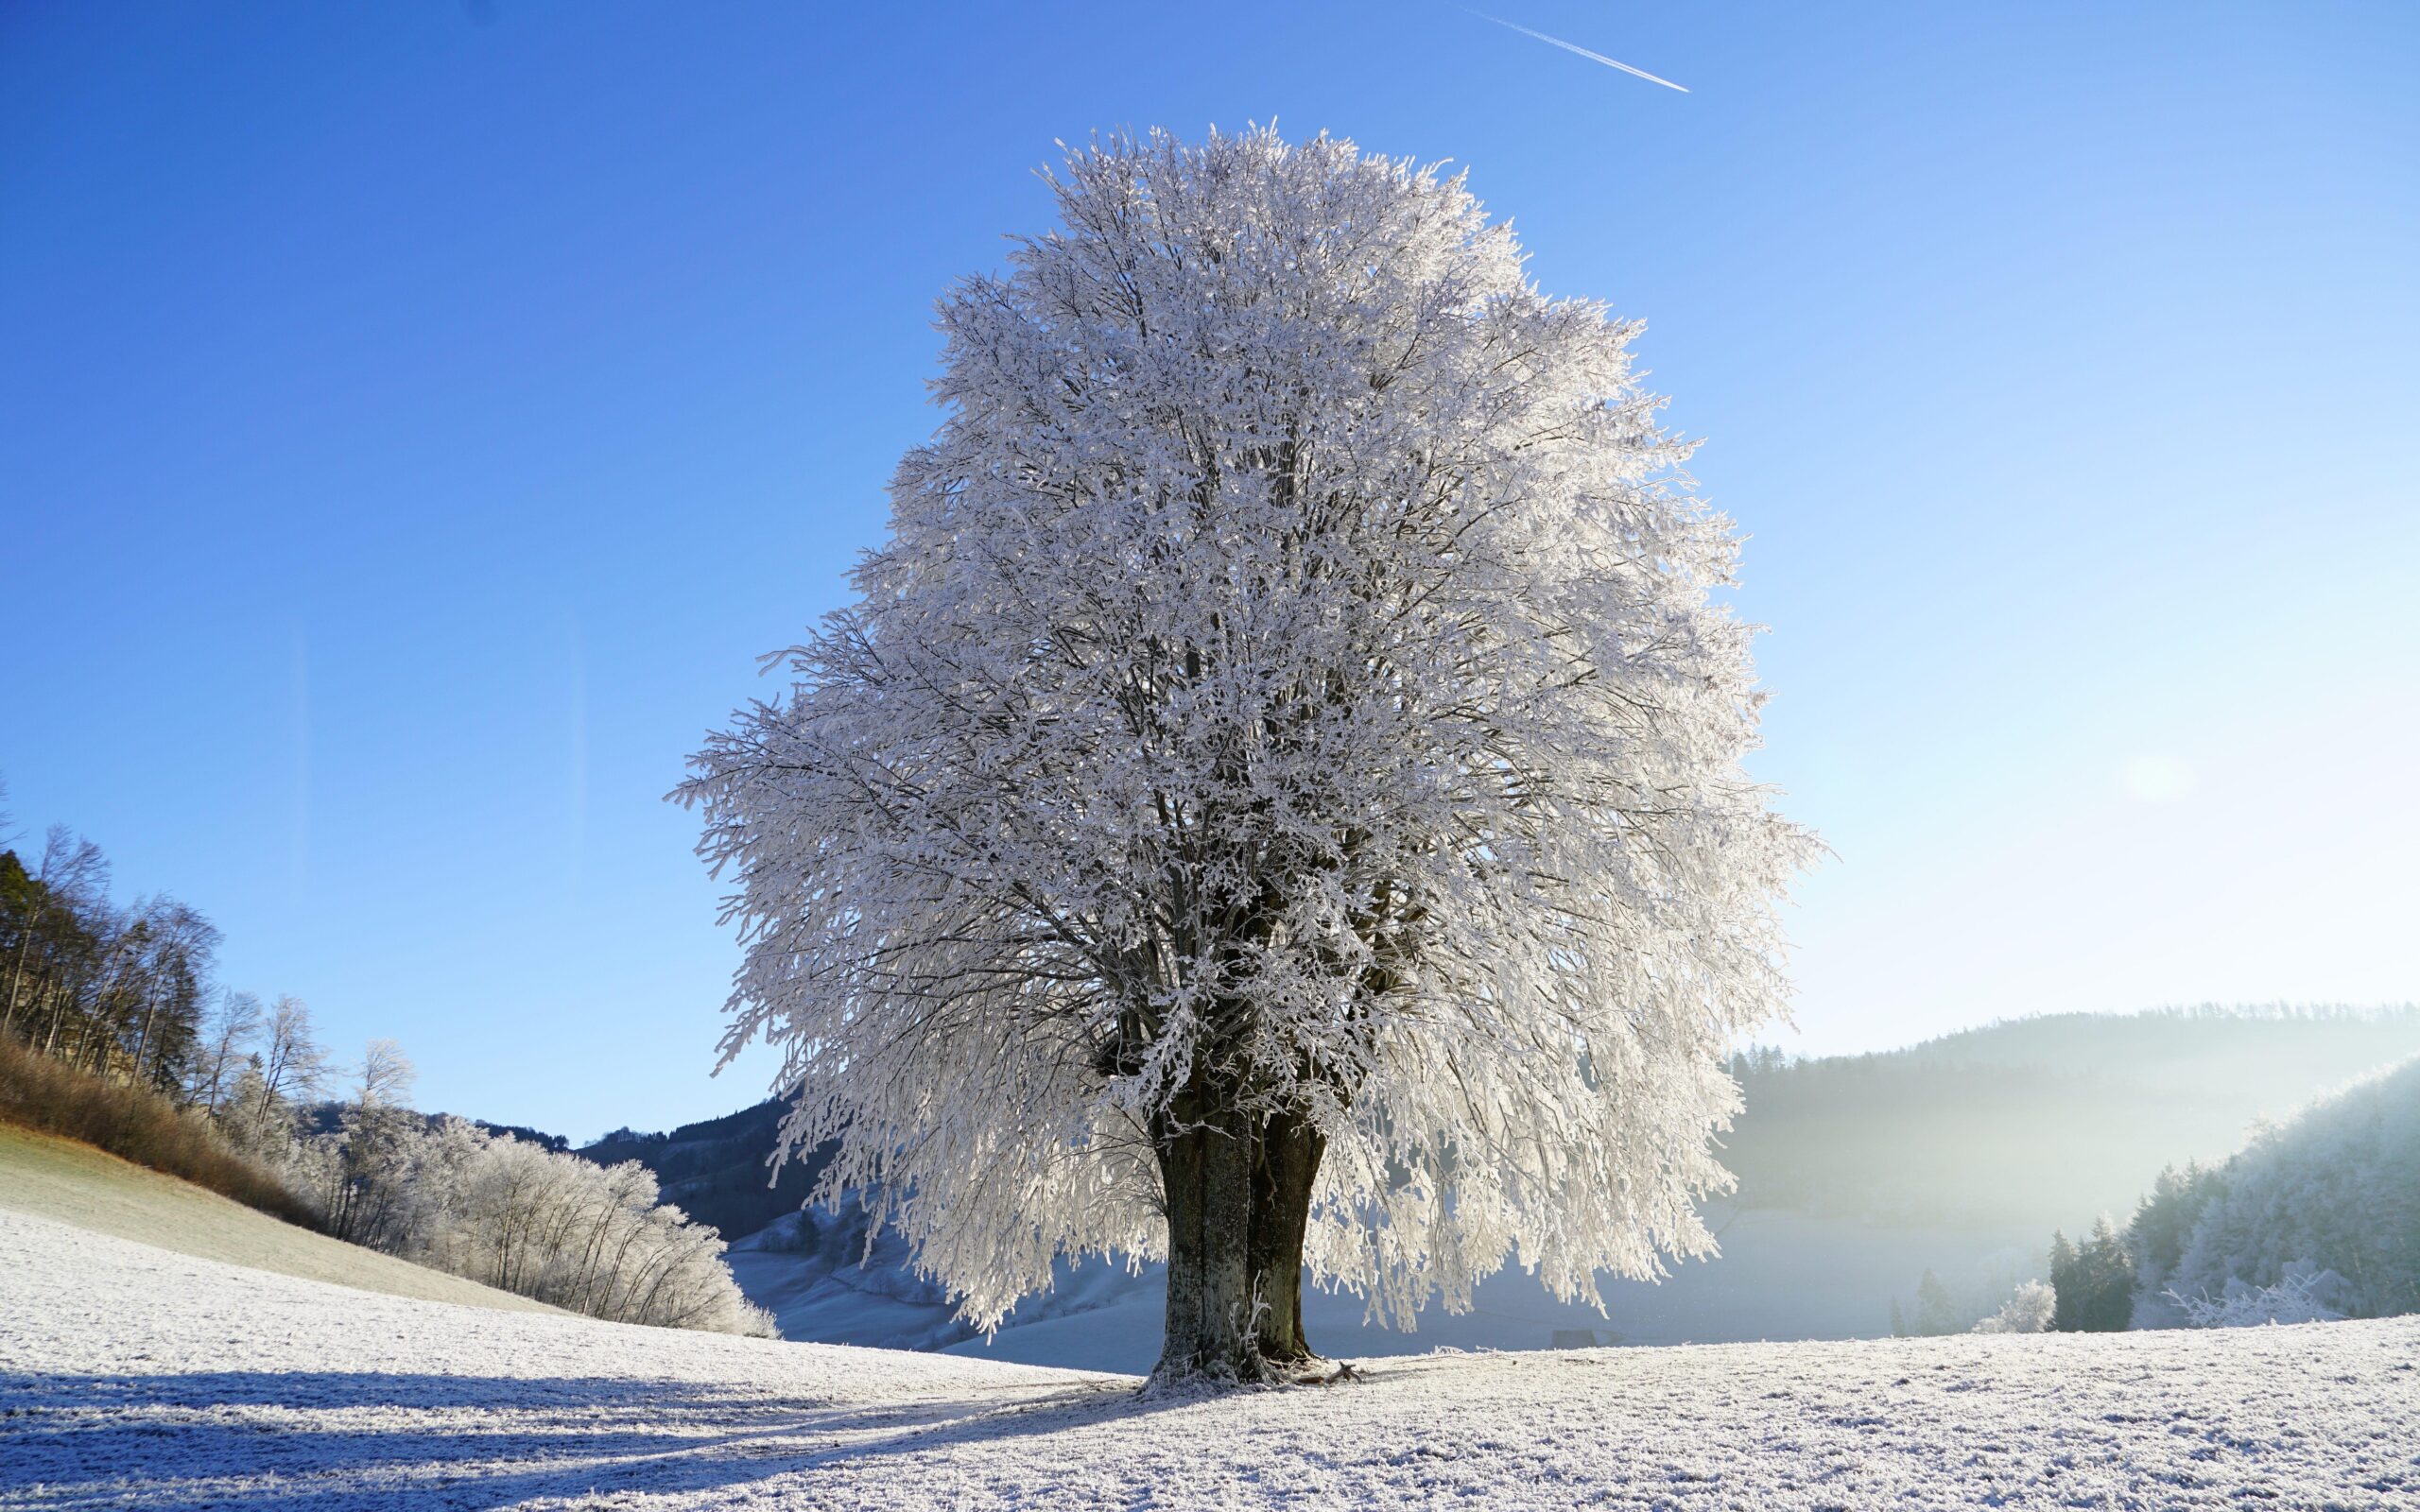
(1239, 1193)
(1205, 1176)
(1287, 1162)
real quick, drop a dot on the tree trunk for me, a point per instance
(17, 974)
(1288, 1162)
(1239, 1193)
(1206, 1174)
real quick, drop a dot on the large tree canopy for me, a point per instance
(1280, 781)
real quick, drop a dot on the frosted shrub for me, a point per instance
(2027, 1311)
(2295, 1299)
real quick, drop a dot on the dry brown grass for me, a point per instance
(137, 1125)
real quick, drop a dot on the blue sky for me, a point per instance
(415, 419)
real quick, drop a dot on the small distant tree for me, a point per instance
(179, 947)
(2067, 1285)
(1275, 802)
(292, 1063)
(386, 1076)
(2111, 1298)
(2157, 1234)
(226, 1041)
(46, 921)
(1935, 1315)
(261, 1110)
(2029, 1311)
(257, 1122)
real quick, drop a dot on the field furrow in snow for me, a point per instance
(134, 1377)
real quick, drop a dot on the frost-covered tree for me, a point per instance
(1935, 1313)
(2298, 1299)
(2030, 1309)
(293, 1064)
(257, 1122)
(49, 920)
(365, 1175)
(1275, 801)
(549, 1225)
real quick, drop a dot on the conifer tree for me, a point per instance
(2067, 1282)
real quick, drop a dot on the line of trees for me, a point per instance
(128, 993)
(447, 1194)
(124, 999)
(118, 991)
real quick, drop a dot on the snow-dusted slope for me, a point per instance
(59, 1178)
(134, 1377)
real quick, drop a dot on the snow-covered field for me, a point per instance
(135, 1376)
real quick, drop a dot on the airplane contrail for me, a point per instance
(1575, 48)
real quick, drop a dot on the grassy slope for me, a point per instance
(60, 1179)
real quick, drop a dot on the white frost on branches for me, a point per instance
(2295, 1300)
(595, 1238)
(2336, 1189)
(541, 1222)
(2029, 1309)
(1295, 649)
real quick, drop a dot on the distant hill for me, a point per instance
(2049, 1120)
(328, 1118)
(719, 1171)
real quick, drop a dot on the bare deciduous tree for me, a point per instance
(226, 1041)
(293, 1063)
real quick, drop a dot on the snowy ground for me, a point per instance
(135, 1376)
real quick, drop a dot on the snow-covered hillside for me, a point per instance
(135, 1376)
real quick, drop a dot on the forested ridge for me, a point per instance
(2050, 1119)
(2053, 1119)
(2313, 1217)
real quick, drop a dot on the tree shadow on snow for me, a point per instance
(323, 1440)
